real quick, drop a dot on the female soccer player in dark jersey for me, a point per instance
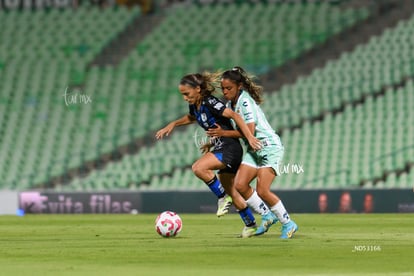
(227, 153)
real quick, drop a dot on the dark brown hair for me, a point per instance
(206, 81)
(239, 76)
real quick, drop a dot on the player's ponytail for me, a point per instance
(240, 76)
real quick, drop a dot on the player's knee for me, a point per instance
(240, 187)
(197, 169)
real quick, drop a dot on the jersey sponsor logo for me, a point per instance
(248, 115)
(212, 101)
(218, 105)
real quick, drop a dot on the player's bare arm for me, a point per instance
(185, 120)
(253, 141)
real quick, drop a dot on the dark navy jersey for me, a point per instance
(211, 113)
(227, 150)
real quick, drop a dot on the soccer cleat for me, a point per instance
(248, 231)
(267, 220)
(288, 229)
(224, 204)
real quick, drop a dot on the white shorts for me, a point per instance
(269, 156)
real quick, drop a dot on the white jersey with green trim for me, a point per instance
(251, 112)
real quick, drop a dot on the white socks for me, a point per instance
(257, 204)
(279, 210)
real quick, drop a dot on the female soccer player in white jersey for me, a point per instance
(227, 152)
(244, 97)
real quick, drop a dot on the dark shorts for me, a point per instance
(231, 155)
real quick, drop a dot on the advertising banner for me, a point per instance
(297, 201)
(35, 202)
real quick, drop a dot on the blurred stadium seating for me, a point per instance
(349, 123)
(44, 53)
(360, 143)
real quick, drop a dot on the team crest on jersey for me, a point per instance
(203, 117)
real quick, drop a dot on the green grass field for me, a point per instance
(380, 244)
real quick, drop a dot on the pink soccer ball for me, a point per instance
(168, 224)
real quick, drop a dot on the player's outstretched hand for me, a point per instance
(164, 131)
